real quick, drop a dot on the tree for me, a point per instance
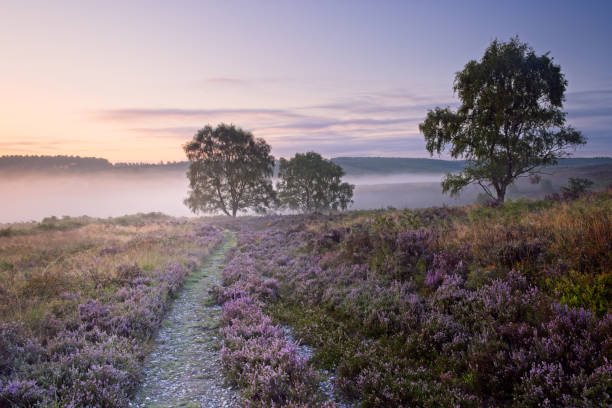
(310, 183)
(576, 187)
(509, 123)
(229, 171)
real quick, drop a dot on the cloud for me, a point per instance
(131, 114)
(34, 146)
(590, 112)
(605, 111)
(369, 123)
(329, 123)
(178, 131)
(335, 145)
(386, 102)
(241, 82)
(589, 95)
(227, 81)
(22, 144)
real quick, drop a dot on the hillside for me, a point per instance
(353, 166)
(388, 165)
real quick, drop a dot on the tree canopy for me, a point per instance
(309, 183)
(229, 171)
(509, 123)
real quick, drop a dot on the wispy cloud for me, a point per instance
(241, 82)
(591, 112)
(605, 111)
(375, 123)
(167, 113)
(386, 102)
(178, 132)
(28, 146)
(227, 81)
(369, 123)
(331, 123)
(334, 145)
(589, 95)
(36, 142)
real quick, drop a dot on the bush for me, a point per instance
(576, 187)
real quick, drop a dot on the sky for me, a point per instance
(134, 80)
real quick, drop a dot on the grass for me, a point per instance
(83, 298)
(38, 267)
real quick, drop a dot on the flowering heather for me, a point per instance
(255, 354)
(473, 307)
(96, 295)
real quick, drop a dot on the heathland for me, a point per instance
(462, 306)
(479, 305)
(80, 300)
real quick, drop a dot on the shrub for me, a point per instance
(459, 314)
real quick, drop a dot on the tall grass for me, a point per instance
(81, 298)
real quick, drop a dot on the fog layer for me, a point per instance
(33, 197)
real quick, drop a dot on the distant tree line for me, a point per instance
(75, 164)
(46, 163)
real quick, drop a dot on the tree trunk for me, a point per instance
(501, 194)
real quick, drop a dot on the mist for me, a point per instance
(35, 196)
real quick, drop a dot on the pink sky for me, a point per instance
(132, 81)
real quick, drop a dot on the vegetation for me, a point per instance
(509, 123)
(256, 354)
(576, 187)
(17, 164)
(80, 300)
(504, 304)
(230, 171)
(26, 164)
(310, 183)
(360, 166)
(353, 166)
(469, 306)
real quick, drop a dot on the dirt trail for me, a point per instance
(184, 369)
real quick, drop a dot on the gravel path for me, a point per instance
(184, 369)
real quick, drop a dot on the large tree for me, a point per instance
(309, 183)
(230, 171)
(509, 123)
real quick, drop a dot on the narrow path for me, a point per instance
(184, 369)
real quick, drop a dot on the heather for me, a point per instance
(256, 355)
(80, 300)
(504, 305)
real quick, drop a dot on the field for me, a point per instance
(450, 306)
(467, 306)
(80, 300)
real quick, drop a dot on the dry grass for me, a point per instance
(577, 232)
(41, 269)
